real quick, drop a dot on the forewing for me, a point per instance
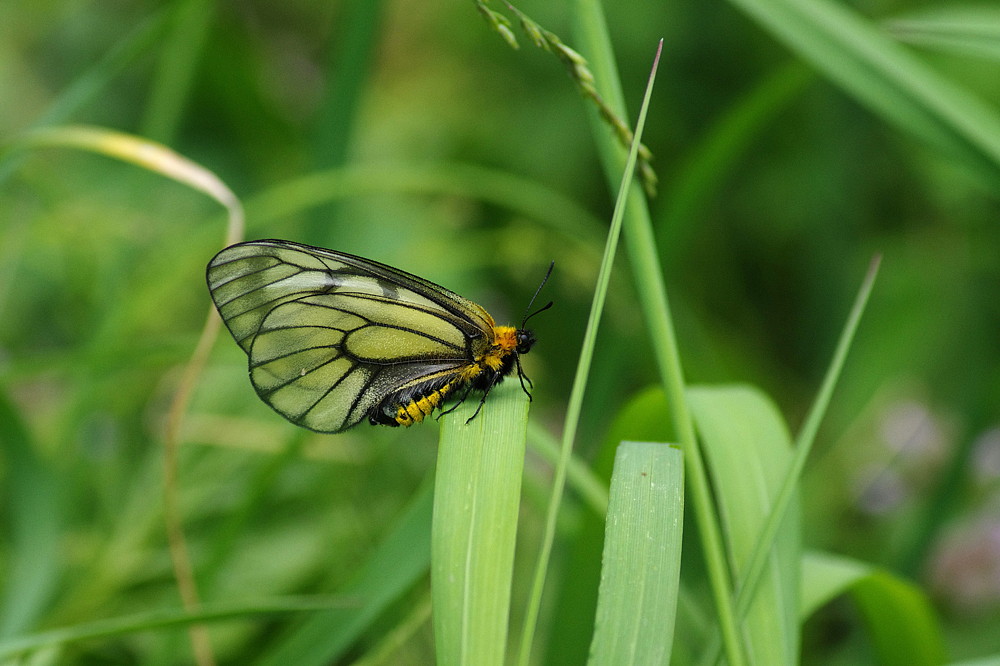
(329, 335)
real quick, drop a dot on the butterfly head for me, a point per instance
(525, 340)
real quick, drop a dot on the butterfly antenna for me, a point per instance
(545, 307)
(532, 301)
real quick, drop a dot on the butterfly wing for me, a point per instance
(329, 334)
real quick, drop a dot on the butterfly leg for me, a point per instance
(465, 395)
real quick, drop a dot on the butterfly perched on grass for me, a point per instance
(334, 339)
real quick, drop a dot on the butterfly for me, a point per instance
(334, 339)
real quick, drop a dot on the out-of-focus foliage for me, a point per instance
(412, 134)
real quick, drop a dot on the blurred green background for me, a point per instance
(438, 149)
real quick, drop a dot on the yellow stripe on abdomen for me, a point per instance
(419, 408)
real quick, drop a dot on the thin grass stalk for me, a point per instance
(166, 618)
(594, 41)
(160, 159)
(804, 442)
(96, 79)
(747, 586)
(177, 67)
(580, 380)
(347, 73)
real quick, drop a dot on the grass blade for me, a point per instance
(574, 609)
(749, 448)
(395, 565)
(805, 439)
(166, 617)
(753, 572)
(964, 30)
(476, 501)
(637, 603)
(36, 506)
(857, 55)
(582, 371)
(595, 43)
(898, 616)
(177, 67)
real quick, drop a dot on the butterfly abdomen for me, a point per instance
(420, 407)
(414, 403)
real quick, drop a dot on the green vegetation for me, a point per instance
(739, 466)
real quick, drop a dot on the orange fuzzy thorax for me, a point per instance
(505, 342)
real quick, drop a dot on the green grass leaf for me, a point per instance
(575, 406)
(163, 618)
(183, 48)
(35, 506)
(637, 603)
(897, 615)
(965, 30)
(748, 449)
(591, 30)
(476, 501)
(892, 81)
(393, 567)
(640, 419)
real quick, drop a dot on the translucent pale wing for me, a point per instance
(329, 335)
